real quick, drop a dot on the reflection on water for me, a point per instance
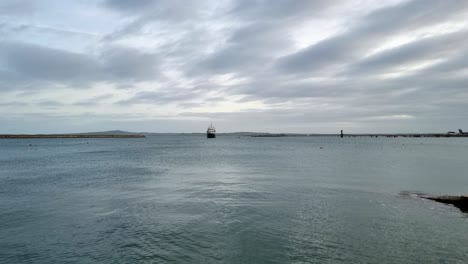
(233, 200)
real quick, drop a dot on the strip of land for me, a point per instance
(364, 135)
(126, 134)
(21, 136)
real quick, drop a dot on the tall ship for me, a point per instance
(211, 132)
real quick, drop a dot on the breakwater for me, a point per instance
(437, 135)
(431, 135)
(20, 136)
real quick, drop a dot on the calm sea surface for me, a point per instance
(187, 199)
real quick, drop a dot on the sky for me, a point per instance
(364, 66)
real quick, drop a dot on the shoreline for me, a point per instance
(432, 135)
(461, 202)
(65, 136)
(269, 135)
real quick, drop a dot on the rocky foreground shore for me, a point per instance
(460, 202)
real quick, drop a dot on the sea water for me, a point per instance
(188, 199)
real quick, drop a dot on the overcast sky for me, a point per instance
(245, 65)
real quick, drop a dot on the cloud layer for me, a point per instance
(280, 66)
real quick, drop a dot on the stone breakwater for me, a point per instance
(11, 136)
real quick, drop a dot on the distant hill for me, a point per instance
(110, 132)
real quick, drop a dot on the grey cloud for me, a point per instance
(431, 48)
(95, 100)
(9, 80)
(148, 11)
(37, 63)
(265, 31)
(14, 104)
(279, 9)
(49, 103)
(190, 105)
(32, 61)
(401, 96)
(17, 7)
(288, 89)
(334, 51)
(129, 6)
(160, 97)
(420, 96)
(358, 116)
(413, 14)
(157, 9)
(375, 28)
(214, 99)
(336, 82)
(456, 62)
(247, 48)
(232, 59)
(76, 123)
(131, 64)
(302, 116)
(364, 93)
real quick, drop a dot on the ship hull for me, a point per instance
(211, 135)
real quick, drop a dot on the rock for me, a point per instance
(460, 202)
